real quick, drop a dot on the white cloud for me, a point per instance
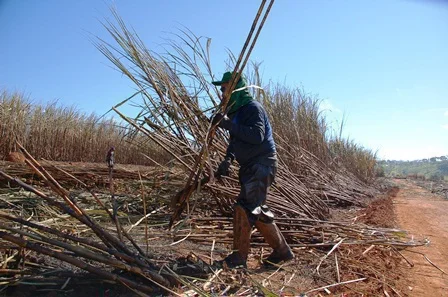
(446, 113)
(327, 106)
(445, 127)
(333, 115)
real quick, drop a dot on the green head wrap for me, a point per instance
(238, 98)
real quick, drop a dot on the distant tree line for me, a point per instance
(435, 168)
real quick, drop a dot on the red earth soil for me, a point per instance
(424, 215)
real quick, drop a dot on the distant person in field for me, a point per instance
(252, 145)
(110, 157)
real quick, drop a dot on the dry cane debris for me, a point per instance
(321, 246)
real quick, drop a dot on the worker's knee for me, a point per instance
(260, 213)
(240, 209)
(263, 214)
(265, 219)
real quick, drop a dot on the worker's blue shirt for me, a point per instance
(251, 140)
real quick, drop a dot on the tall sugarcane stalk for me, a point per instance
(191, 185)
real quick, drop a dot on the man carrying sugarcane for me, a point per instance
(252, 145)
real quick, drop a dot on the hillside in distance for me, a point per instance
(435, 168)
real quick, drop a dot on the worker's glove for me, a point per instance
(223, 168)
(222, 120)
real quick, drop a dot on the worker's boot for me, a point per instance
(275, 239)
(241, 239)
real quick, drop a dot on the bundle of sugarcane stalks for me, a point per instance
(176, 101)
(175, 115)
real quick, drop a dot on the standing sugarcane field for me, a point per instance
(171, 166)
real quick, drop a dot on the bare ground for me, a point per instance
(424, 214)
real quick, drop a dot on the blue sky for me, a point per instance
(383, 65)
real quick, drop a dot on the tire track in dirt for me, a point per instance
(424, 215)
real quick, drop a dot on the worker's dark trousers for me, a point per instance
(255, 181)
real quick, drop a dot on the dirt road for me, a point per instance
(424, 215)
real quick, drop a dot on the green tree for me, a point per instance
(443, 168)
